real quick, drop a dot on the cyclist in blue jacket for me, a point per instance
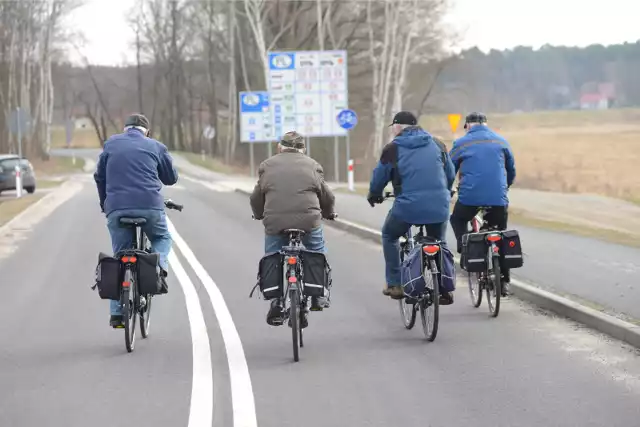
(422, 175)
(487, 170)
(130, 173)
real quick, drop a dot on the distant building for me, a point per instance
(602, 98)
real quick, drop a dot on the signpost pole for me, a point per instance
(252, 164)
(349, 162)
(17, 168)
(308, 146)
(336, 158)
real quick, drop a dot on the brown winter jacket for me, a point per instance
(291, 193)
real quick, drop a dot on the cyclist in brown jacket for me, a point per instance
(291, 193)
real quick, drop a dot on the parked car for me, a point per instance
(8, 164)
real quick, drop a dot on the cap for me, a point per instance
(137, 120)
(475, 117)
(404, 118)
(293, 139)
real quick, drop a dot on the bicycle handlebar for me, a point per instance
(332, 217)
(170, 204)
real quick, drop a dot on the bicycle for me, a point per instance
(428, 302)
(133, 304)
(490, 279)
(296, 302)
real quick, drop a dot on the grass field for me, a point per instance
(10, 208)
(82, 138)
(569, 151)
(57, 166)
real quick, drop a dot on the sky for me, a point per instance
(497, 24)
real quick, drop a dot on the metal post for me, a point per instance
(19, 132)
(336, 158)
(17, 168)
(348, 147)
(269, 149)
(251, 160)
(308, 143)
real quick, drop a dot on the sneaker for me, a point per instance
(396, 292)
(505, 288)
(446, 298)
(116, 321)
(304, 319)
(319, 303)
(275, 316)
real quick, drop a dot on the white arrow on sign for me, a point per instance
(209, 132)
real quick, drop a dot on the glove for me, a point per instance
(374, 199)
(332, 216)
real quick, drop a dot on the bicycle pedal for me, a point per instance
(317, 308)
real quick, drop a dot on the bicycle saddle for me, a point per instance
(133, 221)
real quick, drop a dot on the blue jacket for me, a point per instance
(130, 172)
(422, 176)
(486, 165)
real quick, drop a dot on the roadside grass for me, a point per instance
(10, 208)
(57, 166)
(48, 183)
(212, 164)
(568, 151)
(82, 138)
(519, 217)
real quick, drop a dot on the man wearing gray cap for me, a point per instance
(291, 193)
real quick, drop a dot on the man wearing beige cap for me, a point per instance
(291, 193)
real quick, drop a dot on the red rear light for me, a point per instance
(292, 260)
(494, 238)
(293, 279)
(431, 249)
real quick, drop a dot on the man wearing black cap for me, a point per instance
(130, 173)
(487, 170)
(422, 175)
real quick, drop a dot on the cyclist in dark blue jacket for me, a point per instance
(130, 173)
(422, 175)
(487, 170)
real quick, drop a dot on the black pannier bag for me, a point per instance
(271, 275)
(474, 252)
(108, 277)
(511, 250)
(150, 279)
(316, 274)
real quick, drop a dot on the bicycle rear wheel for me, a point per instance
(430, 304)
(145, 317)
(130, 316)
(494, 287)
(294, 315)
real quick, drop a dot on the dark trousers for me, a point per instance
(462, 215)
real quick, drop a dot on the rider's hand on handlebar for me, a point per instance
(257, 219)
(332, 216)
(374, 199)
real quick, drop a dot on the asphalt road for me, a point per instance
(61, 365)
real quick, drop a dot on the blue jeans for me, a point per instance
(392, 230)
(314, 241)
(124, 238)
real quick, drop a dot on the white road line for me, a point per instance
(242, 401)
(201, 409)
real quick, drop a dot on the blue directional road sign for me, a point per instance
(347, 119)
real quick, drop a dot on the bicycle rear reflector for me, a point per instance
(292, 260)
(431, 249)
(130, 259)
(494, 238)
(293, 279)
(126, 284)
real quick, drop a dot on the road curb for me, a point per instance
(612, 326)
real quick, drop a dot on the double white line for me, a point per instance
(201, 409)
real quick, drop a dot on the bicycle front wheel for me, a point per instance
(294, 316)
(494, 287)
(430, 304)
(408, 312)
(128, 310)
(145, 317)
(475, 289)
